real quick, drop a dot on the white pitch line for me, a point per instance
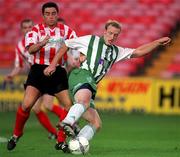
(3, 140)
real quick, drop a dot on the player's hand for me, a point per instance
(45, 41)
(49, 70)
(8, 78)
(164, 41)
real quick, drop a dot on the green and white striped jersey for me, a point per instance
(99, 56)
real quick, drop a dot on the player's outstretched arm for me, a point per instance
(52, 67)
(16, 71)
(147, 48)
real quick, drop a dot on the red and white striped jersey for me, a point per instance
(21, 55)
(57, 36)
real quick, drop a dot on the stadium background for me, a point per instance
(141, 89)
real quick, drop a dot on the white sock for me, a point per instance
(74, 114)
(87, 131)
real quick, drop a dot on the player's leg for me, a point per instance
(92, 116)
(43, 118)
(30, 97)
(54, 108)
(57, 85)
(64, 99)
(59, 82)
(82, 88)
(82, 98)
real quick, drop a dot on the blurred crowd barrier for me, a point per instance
(135, 94)
(139, 94)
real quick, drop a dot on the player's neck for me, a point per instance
(50, 26)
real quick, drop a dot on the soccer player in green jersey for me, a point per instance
(98, 54)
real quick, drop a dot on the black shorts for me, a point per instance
(53, 84)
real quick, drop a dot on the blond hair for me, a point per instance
(113, 23)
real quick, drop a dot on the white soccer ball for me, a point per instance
(80, 145)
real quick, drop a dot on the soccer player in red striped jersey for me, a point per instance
(22, 57)
(43, 43)
(23, 61)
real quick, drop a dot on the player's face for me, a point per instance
(50, 16)
(26, 27)
(111, 35)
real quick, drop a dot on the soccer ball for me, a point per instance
(79, 145)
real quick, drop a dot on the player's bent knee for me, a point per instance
(26, 108)
(36, 109)
(48, 105)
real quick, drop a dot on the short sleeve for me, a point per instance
(31, 38)
(80, 43)
(72, 35)
(124, 53)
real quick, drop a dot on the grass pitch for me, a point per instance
(122, 135)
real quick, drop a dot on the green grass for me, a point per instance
(122, 135)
